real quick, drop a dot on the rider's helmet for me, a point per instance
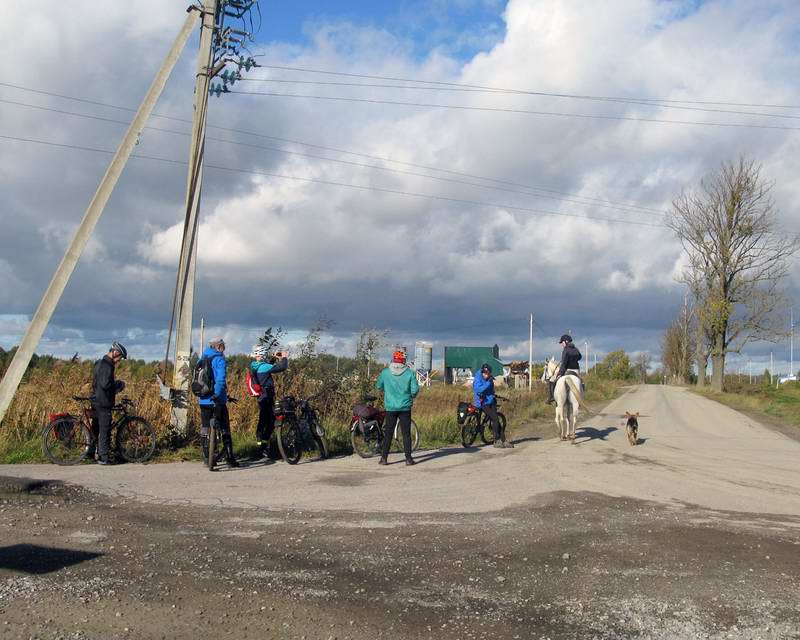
(565, 338)
(260, 351)
(485, 368)
(122, 351)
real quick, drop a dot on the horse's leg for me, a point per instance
(574, 419)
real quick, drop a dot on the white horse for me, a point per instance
(568, 396)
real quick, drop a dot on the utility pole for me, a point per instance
(530, 356)
(771, 366)
(202, 333)
(791, 346)
(61, 277)
(184, 291)
(586, 362)
(750, 369)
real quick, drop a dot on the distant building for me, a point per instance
(460, 359)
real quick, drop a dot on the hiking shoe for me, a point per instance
(104, 461)
(497, 445)
(508, 445)
(383, 461)
(410, 462)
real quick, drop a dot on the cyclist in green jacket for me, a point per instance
(399, 386)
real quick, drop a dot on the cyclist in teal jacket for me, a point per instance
(399, 386)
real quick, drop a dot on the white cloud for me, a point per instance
(319, 246)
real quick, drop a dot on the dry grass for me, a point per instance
(782, 403)
(49, 390)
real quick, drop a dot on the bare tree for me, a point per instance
(642, 365)
(737, 259)
(678, 345)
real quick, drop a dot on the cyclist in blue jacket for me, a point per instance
(484, 398)
(216, 406)
(263, 369)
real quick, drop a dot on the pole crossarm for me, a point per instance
(58, 283)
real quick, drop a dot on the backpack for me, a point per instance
(253, 388)
(203, 379)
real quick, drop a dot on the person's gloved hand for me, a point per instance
(120, 385)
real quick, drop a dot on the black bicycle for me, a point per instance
(67, 438)
(298, 429)
(215, 445)
(475, 422)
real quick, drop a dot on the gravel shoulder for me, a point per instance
(75, 564)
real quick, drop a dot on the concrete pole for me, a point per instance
(771, 366)
(202, 334)
(188, 257)
(55, 289)
(530, 357)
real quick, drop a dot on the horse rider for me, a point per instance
(570, 359)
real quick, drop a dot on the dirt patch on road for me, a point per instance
(567, 565)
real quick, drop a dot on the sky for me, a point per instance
(449, 225)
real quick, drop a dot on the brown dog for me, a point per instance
(632, 427)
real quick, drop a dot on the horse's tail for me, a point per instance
(576, 391)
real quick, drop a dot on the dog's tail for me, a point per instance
(576, 391)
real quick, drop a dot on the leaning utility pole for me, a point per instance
(58, 283)
(184, 290)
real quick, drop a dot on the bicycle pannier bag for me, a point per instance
(253, 388)
(463, 408)
(364, 411)
(203, 379)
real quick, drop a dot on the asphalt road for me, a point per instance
(694, 533)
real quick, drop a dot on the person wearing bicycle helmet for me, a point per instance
(399, 386)
(570, 363)
(216, 406)
(105, 388)
(262, 369)
(484, 398)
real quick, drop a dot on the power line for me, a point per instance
(573, 96)
(560, 114)
(568, 197)
(345, 184)
(646, 103)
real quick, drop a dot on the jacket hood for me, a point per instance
(397, 368)
(210, 353)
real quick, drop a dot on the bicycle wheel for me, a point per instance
(368, 444)
(397, 441)
(212, 447)
(66, 441)
(469, 430)
(485, 429)
(318, 440)
(136, 440)
(290, 442)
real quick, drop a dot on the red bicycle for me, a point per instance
(67, 438)
(366, 430)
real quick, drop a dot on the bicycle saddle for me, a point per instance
(369, 398)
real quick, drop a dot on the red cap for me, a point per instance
(399, 356)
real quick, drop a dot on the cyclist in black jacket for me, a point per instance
(104, 396)
(570, 361)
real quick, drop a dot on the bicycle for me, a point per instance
(366, 430)
(67, 438)
(475, 422)
(298, 429)
(215, 445)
